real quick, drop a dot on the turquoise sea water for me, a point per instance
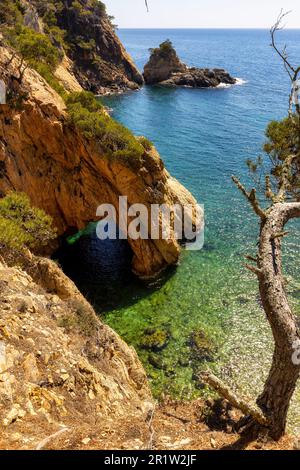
(205, 136)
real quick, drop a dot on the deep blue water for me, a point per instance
(205, 136)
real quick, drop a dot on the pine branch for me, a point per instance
(269, 192)
(253, 269)
(251, 197)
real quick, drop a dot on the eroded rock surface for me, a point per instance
(99, 60)
(60, 367)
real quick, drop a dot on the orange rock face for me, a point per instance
(66, 174)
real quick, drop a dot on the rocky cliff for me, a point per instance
(68, 174)
(92, 56)
(61, 369)
(165, 68)
(163, 62)
(101, 63)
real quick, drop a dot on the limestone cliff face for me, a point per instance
(67, 175)
(100, 62)
(104, 66)
(61, 369)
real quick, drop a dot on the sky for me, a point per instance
(202, 13)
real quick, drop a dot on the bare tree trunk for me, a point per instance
(283, 376)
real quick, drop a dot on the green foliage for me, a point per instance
(50, 78)
(38, 52)
(86, 45)
(115, 140)
(22, 225)
(283, 138)
(164, 50)
(36, 48)
(82, 319)
(146, 143)
(86, 99)
(10, 13)
(284, 141)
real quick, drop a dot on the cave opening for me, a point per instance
(101, 269)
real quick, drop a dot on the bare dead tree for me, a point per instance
(292, 71)
(280, 385)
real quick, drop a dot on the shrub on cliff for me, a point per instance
(146, 143)
(37, 51)
(164, 50)
(36, 48)
(85, 99)
(22, 225)
(86, 113)
(10, 13)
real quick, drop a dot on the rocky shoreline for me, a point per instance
(199, 78)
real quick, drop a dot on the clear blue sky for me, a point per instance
(201, 13)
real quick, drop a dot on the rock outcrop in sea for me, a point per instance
(165, 68)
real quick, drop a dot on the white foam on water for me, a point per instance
(224, 85)
(241, 81)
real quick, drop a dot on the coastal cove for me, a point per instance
(205, 312)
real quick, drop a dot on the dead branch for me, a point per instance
(251, 258)
(253, 269)
(293, 72)
(13, 56)
(274, 29)
(284, 180)
(251, 197)
(225, 392)
(151, 428)
(42, 444)
(269, 192)
(279, 235)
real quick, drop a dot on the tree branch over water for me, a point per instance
(283, 195)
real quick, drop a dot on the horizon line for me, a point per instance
(208, 28)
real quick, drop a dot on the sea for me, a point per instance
(204, 136)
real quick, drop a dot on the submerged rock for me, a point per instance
(202, 347)
(156, 361)
(165, 68)
(155, 339)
